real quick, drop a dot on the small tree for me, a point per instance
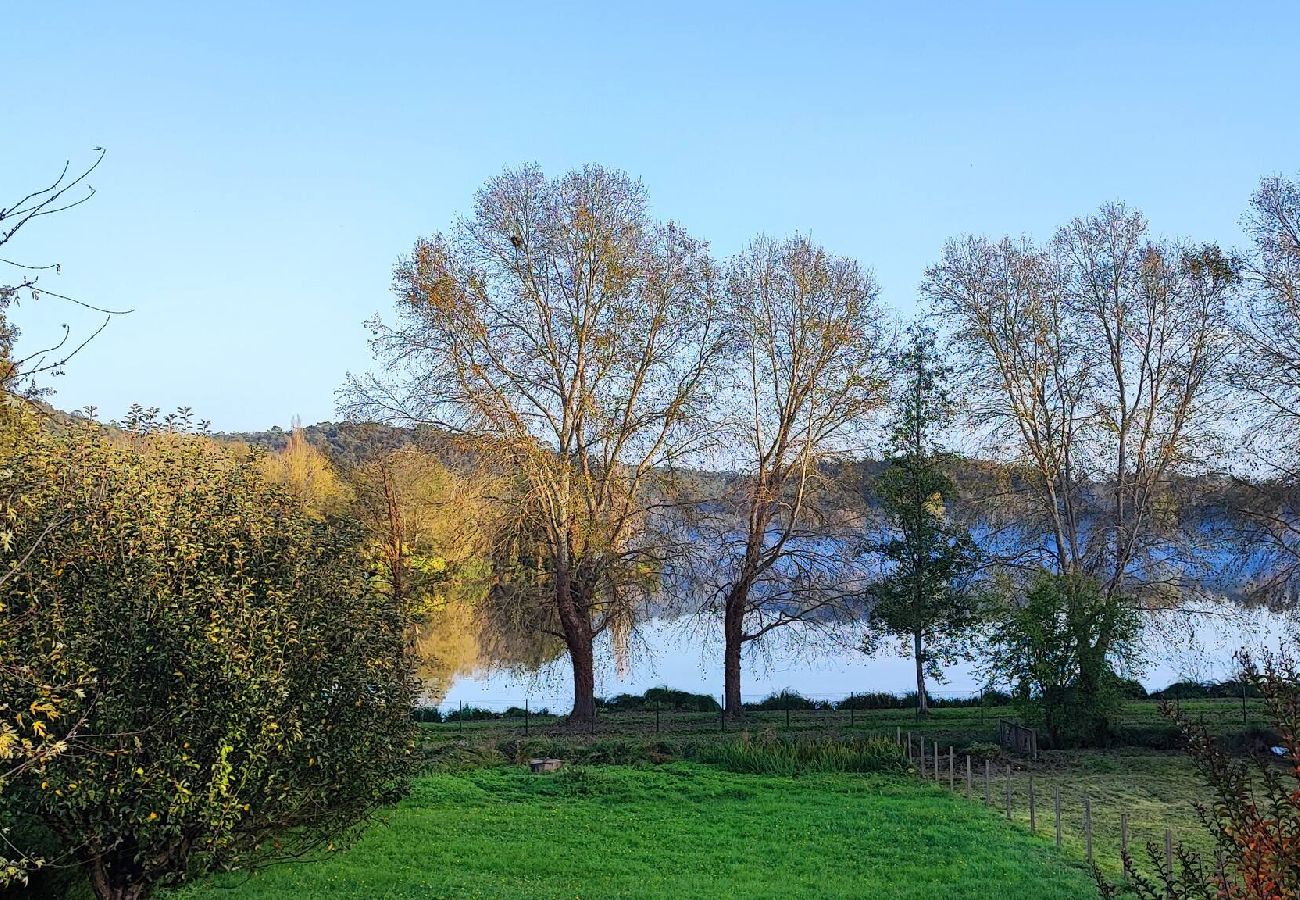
(1058, 647)
(242, 679)
(425, 521)
(1254, 816)
(925, 597)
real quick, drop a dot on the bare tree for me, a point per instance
(808, 371)
(578, 339)
(1097, 359)
(1266, 371)
(21, 280)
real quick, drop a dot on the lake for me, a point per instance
(685, 654)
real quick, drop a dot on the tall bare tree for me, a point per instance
(808, 370)
(1096, 360)
(579, 339)
(1266, 371)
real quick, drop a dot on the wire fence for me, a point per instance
(1054, 805)
(980, 715)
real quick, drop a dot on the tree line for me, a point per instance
(597, 358)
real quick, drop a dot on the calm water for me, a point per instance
(681, 655)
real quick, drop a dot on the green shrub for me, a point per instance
(660, 698)
(1204, 690)
(470, 714)
(788, 699)
(239, 675)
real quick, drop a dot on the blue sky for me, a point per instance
(268, 162)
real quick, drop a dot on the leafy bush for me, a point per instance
(518, 712)
(1205, 690)
(470, 714)
(243, 686)
(1131, 689)
(1057, 646)
(661, 698)
(875, 700)
(797, 756)
(791, 700)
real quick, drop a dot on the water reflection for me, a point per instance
(1196, 645)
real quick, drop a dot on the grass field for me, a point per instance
(676, 830)
(1156, 788)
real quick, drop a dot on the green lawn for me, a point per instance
(679, 830)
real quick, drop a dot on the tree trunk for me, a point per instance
(922, 700)
(584, 683)
(108, 887)
(579, 638)
(733, 641)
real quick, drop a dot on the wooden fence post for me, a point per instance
(787, 712)
(987, 779)
(1008, 791)
(936, 762)
(1087, 828)
(1033, 813)
(1169, 853)
(968, 778)
(1057, 804)
(952, 770)
(1123, 836)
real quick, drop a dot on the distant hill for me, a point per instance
(1219, 548)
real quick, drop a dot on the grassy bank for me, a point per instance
(677, 830)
